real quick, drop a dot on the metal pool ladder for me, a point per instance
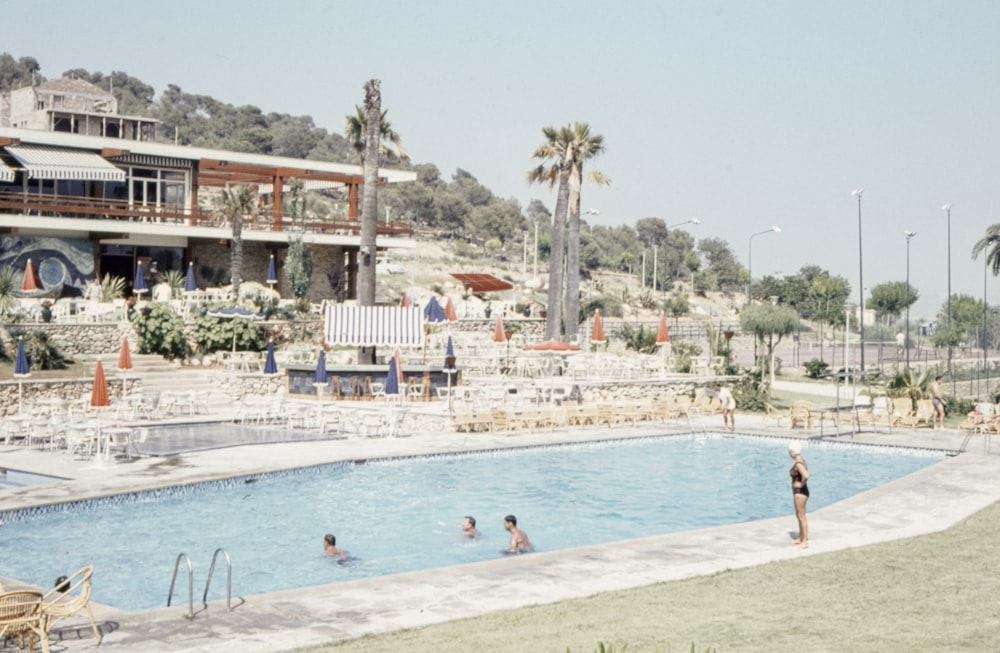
(208, 582)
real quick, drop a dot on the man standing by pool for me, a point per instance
(937, 421)
(518, 539)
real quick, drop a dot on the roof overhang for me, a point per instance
(482, 282)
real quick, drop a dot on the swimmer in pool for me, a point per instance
(469, 528)
(518, 539)
(330, 549)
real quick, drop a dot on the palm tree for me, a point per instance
(582, 146)
(991, 242)
(554, 170)
(237, 203)
(373, 138)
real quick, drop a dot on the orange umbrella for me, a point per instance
(498, 333)
(449, 311)
(124, 356)
(99, 396)
(597, 333)
(404, 301)
(399, 366)
(662, 332)
(30, 280)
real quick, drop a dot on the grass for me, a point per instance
(938, 592)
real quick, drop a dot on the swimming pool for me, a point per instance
(404, 514)
(12, 478)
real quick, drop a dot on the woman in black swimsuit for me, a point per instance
(800, 491)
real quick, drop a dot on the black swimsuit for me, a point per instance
(797, 478)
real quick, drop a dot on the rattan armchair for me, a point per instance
(20, 614)
(59, 604)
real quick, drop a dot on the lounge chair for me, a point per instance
(58, 604)
(771, 414)
(800, 414)
(20, 615)
(923, 415)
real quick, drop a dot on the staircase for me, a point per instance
(156, 374)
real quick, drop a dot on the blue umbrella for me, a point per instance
(433, 312)
(449, 357)
(321, 378)
(189, 283)
(270, 365)
(21, 368)
(392, 378)
(272, 275)
(139, 285)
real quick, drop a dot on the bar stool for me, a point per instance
(335, 391)
(366, 388)
(356, 388)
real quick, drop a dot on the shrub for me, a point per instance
(816, 368)
(161, 331)
(639, 340)
(224, 334)
(112, 287)
(42, 353)
(685, 353)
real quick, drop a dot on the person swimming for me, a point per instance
(330, 549)
(469, 527)
(519, 542)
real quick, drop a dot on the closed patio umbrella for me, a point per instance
(662, 332)
(404, 301)
(270, 364)
(597, 333)
(30, 281)
(99, 395)
(320, 378)
(392, 378)
(433, 311)
(189, 283)
(21, 370)
(139, 284)
(449, 311)
(272, 273)
(124, 361)
(499, 335)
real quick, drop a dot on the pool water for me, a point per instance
(12, 478)
(405, 514)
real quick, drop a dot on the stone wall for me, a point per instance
(12, 393)
(75, 340)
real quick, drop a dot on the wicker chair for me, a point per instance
(19, 616)
(58, 604)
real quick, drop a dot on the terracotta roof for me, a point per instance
(482, 282)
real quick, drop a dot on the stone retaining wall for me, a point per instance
(80, 339)
(65, 389)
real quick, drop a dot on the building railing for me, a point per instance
(120, 210)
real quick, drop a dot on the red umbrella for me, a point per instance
(449, 311)
(30, 281)
(124, 356)
(662, 332)
(597, 333)
(399, 365)
(498, 333)
(99, 396)
(404, 301)
(552, 345)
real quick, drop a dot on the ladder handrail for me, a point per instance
(177, 564)
(229, 579)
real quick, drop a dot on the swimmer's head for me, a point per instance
(512, 519)
(795, 447)
(471, 521)
(329, 539)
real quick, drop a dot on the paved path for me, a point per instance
(928, 501)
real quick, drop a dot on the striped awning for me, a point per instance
(6, 174)
(43, 162)
(373, 326)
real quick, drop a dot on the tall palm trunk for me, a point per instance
(236, 252)
(573, 257)
(553, 321)
(369, 208)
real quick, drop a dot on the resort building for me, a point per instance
(85, 192)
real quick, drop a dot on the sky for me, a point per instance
(743, 114)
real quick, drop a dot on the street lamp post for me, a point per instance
(524, 260)
(775, 229)
(986, 264)
(906, 334)
(669, 227)
(947, 209)
(536, 248)
(861, 279)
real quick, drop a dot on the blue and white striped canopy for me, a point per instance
(373, 326)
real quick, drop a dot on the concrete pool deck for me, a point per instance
(927, 501)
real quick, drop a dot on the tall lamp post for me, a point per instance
(947, 209)
(906, 334)
(775, 229)
(861, 279)
(669, 227)
(986, 264)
